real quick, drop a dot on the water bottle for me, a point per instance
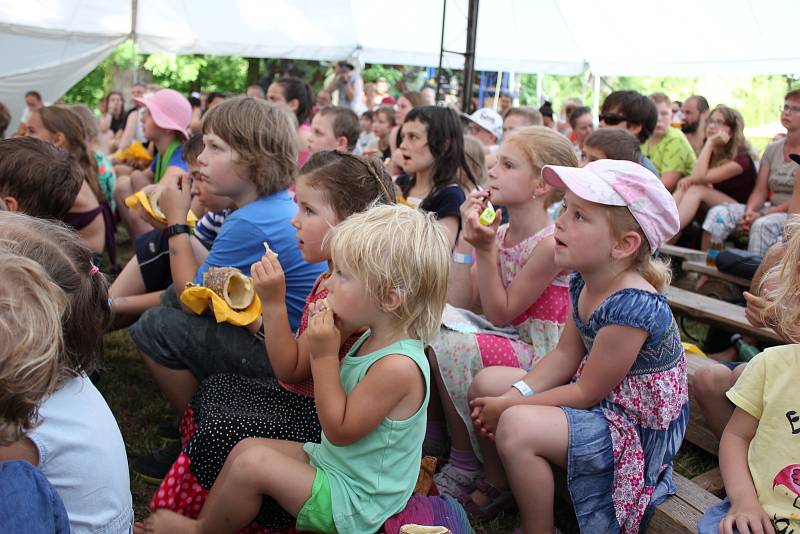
(716, 244)
(746, 351)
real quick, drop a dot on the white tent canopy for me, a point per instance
(49, 45)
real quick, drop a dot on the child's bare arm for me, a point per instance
(500, 304)
(344, 418)
(614, 350)
(746, 512)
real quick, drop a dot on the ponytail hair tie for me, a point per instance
(94, 270)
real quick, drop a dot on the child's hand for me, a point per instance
(748, 519)
(268, 280)
(175, 199)
(324, 339)
(481, 237)
(486, 413)
(146, 217)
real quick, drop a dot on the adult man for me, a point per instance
(504, 103)
(520, 117)
(349, 85)
(632, 111)
(695, 112)
(667, 148)
(33, 101)
(486, 125)
(256, 91)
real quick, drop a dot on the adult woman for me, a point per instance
(296, 94)
(582, 124)
(91, 214)
(724, 172)
(112, 122)
(775, 177)
(432, 153)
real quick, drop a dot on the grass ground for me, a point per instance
(138, 406)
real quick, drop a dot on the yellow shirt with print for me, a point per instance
(769, 390)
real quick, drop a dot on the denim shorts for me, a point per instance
(180, 340)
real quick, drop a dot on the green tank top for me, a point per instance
(373, 478)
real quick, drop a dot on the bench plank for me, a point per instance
(683, 252)
(701, 267)
(681, 512)
(711, 481)
(716, 311)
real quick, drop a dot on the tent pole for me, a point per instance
(512, 87)
(134, 16)
(596, 96)
(539, 89)
(469, 57)
(441, 55)
(497, 90)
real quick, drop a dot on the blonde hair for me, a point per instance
(397, 247)
(785, 297)
(544, 146)
(476, 161)
(32, 308)
(655, 271)
(264, 137)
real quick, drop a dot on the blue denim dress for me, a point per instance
(28, 503)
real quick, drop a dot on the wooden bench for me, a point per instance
(683, 253)
(700, 267)
(724, 314)
(680, 513)
(676, 515)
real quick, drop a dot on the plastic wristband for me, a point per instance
(523, 387)
(464, 259)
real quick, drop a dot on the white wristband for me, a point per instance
(464, 259)
(523, 387)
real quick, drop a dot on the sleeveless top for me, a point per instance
(373, 478)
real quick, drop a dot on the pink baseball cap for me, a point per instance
(622, 183)
(170, 110)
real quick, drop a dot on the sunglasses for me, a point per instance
(612, 119)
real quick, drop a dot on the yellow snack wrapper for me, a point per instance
(196, 298)
(691, 348)
(140, 198)
(488, 215)
(135, 151)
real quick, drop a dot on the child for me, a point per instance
(382, 128)
(509, 273)
(166, 116)
(296, 94)
(366, 137)
(38, 178)
(228, 408)
(610, 403)
(250, 157)
(611, 143)
(334, 128)
(31, 344)
(77, 445)
(373, 416)
(758, 453)
(144, 278)
(91, 214)
(433, 154)
(724, 172)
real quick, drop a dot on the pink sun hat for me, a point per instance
(170, 110)
(622, 183)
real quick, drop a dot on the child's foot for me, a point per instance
(454, 481)
(486, 501)
(168, 522)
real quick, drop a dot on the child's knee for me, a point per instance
(711, 381)
(481, 385)
(512, 430)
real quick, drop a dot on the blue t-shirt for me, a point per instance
(175, 161)
(28, 503)
(240, 244)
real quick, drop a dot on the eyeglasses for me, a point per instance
(790, 108)
(612, 119)
(716, 122)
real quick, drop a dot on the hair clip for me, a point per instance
(94, 270)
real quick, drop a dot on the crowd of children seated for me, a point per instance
(493, 300)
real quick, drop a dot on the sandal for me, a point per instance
(499, 501)
(455, 482)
